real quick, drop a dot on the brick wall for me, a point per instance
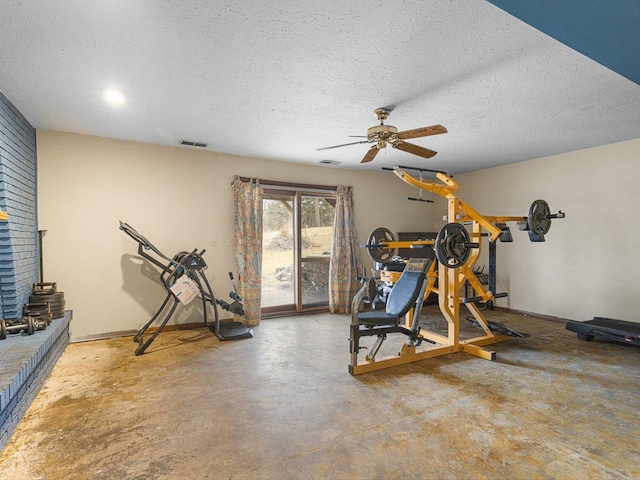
(18, 236)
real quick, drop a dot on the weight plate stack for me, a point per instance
(47, 293)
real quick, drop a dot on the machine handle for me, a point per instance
(479, 299)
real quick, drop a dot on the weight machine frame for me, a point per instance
(450, 285)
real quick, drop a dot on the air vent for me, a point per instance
(329, 162)
(189, 143)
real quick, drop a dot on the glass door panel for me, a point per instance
(278, 252)
(316, 236)
(315, 283)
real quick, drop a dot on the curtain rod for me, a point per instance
(275, 183)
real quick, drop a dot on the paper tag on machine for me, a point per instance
(184, 289)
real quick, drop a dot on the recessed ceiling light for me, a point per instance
(113, 96)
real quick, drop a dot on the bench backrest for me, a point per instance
(405, 292)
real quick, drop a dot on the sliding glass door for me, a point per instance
(296, 248)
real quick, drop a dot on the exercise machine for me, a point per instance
(457, 247)
(607, 329)
(183, 278)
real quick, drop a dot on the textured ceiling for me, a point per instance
(278, 80)
(607, 32)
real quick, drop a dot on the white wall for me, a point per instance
(590, 263)
(180, 199)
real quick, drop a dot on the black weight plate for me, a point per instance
(54, 305)
(51, 309)
(36, 308)
(44, 288)
(380, 254)
(450, 245)
(36, 313)
(538, 218)
(372, 291)
(30, 307)
(52, 297)
(3, 330)
(51, 306)
(31, 326)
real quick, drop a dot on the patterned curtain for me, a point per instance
(346, 263)
(247, 198)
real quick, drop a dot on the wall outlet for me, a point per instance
(230, 242)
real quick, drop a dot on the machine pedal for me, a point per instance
(233, 331)
(499, 328)
(534, 237)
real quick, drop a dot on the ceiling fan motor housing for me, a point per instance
(382, 134)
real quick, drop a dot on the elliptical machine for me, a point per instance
(183, 279)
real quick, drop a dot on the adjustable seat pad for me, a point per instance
(403, 295)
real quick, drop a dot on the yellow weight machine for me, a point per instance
(456, 249)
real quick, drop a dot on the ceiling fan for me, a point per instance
(388, 134)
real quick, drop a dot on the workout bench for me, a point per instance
(407, 295)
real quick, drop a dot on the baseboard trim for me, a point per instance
(131, 333)
(194, 325)
(531, 314)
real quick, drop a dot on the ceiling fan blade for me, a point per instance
(371, 154)
(358, 136)
(422, 132)
(343, 145)
(415, 149)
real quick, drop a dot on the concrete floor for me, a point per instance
(282, 406)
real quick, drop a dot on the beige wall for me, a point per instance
(180, 199)
(590, 263)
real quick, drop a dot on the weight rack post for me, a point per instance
(41, 234)
(492, 270)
